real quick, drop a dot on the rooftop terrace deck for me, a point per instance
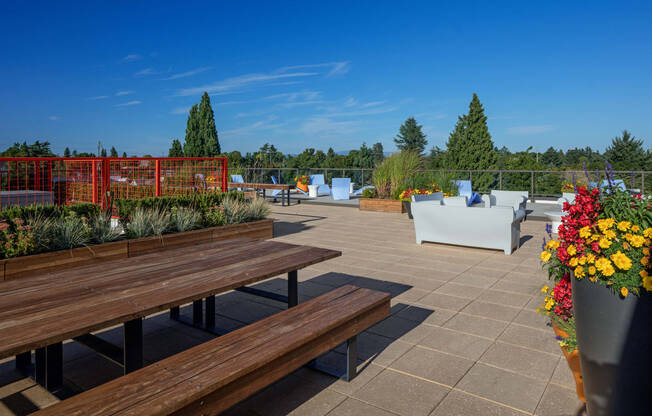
(463, 338)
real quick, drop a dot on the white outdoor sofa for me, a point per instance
(450, 221)
(514, 199)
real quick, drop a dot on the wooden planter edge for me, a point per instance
(382, 205)
(56, 260)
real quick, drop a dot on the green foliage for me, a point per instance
(444, 180)
(258, 209)
(185, 219)
(235, 211)
(37, 149)
(16, 238)
(622, 206)
(66, 152)
(369, 193)
(207, 129)
(470, 147)
(49, 211)
(395, 171)
(176, 150)
(114, 152)
(101, 229)
(69, 232)
(193, 145)
(410, 137)
(626, 152)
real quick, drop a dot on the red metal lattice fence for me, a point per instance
(29, 181)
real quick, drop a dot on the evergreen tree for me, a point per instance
(37, 149)
(114, 152)
(379, 154)
(194, 145)
(103, 152)
(626, 152)
(207, 130)
(124, 154)
(470, 146)
(74, 153)
(66, 152)
(553, 158)
(176, 150)
(410, 136)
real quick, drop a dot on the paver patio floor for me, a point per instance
(463, 337)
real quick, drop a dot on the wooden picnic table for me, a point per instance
(284, 188)
(40, 312)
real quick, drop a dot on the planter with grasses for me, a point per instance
(47, 239)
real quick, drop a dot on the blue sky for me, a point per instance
(322, 74)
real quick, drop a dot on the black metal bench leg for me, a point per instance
(48, 366)
(133, 345)
(293, 288)
(351, 358)
(210, 312)
(24, 362)
(175, 313)
(197, 312)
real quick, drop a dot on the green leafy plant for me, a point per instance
(622, 206)
(16, 238)
(258, 209)
(42, 229)
(392, 175)
(235, 211)
(369, 193)
(214, 217)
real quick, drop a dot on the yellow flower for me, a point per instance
(606, 223)
(647, 283)
(624, 291)
(643, 274)
(545, 289)
(585, 232)
(550, 302)
(609, 270)
(626, 246)
(645, 261)
(571, 250)
(579, 272)
(637, 241)
(573, 262)
(592, 270)
(621, 260)
(646, 251)
(647, 233)
(628, 236)
(582, 260)
(610, 234)
(624, 225)
(636, 228)
(552, 244)
(602, 263)
(545, 256)
(604, 243)
(590, 258)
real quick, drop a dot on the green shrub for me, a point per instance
(258, 209)
(101, 229)
(235, 211)
(214, 217)
(69, 232)
(49, 211)
(369, 193)
(394, 173)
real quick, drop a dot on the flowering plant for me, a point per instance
(16, 238)
(406, 195)
(568, 187)
(210, 179)
(302, 179)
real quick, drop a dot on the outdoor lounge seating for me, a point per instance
(237, 179)
(340, 188)
(464, 189)
(435, 196)
(318, 179)
(514, 199)
(274, 192)
(217, 374)
(361, 190)
(451, 221)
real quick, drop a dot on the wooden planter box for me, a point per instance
(383, 205)
(59, 260)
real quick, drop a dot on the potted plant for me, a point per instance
(604, 243)
(302, 182)
(406, 195)
(568, 191)
(389, 178)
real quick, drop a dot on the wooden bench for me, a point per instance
(215, 375)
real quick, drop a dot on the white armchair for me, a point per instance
(515, 199)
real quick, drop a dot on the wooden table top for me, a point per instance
(40, 310)
(282, 186)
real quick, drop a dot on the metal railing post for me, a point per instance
(532, 186)
(94, 181)
(157, 177)
(500, 180)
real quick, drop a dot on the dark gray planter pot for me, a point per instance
(407, 205)
(614, 337)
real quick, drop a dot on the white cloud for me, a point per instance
(98, 97)
(235, 83)
(180, 110)
(339, 68)
(350, 102)
(132, 57)
(326, 126)
(261, 125)
(144, 72)
(187, 73)
(335, 67)
(121, 93)
(373, 104)
(129, 103)
(53, 118)
(527, 130)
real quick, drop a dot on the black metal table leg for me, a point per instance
(133, 345)
(287, 192)
(40, 364)
(210, 312)
(54, 366)
(175, 312)
(24, 362)
(197, 312)
(293, 288)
